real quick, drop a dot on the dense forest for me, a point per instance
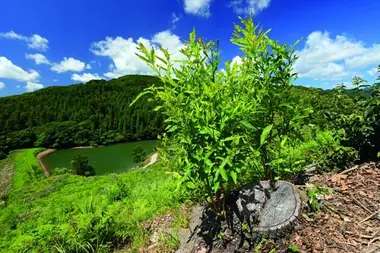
(95, 113)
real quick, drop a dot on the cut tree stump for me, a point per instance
(280, 211)
(265, 212)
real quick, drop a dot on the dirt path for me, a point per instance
(152, 160)
(42, 155)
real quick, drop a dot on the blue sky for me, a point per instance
(45, 43)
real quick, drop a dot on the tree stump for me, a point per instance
(280, 210)
(253, 211)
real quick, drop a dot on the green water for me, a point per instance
(109, 159)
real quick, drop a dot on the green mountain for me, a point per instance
(95, 113)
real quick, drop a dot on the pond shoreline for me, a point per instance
(48, 151)
(151, 159)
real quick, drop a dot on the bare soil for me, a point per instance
(349, 220)
(40, 156)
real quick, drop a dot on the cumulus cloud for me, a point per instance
(372, 72)
(2, 85)
(32, 86)
(370, 56)
(198, 7)
(236, 60)
(326, 58)
(68, 64)
(37, 58)
(247, 7)
(35, 41)
(85, 77)
(8, 70)
(123, 51)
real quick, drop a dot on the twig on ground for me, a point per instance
(349, 170)
(348, 243)
(360, 204)
(370, 216)
(356, 234)
(372, 241)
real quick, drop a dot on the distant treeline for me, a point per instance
(96, 113)
(99, 113)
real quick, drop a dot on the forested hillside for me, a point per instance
(99, 113)
(96, 113)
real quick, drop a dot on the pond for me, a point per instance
(109, 159)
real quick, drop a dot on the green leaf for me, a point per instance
(264, 134)
(234, 176)
(139, 96)
(294, 248)
(223, 173)
(283, 142)
(247, 124)
(216, 186)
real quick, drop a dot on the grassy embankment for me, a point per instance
(69, 213)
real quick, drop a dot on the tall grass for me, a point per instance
(25, 163)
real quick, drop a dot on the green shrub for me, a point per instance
(322, 150)
(138, 154)
(80, 166)
(225, 123)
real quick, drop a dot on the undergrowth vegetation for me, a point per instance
(70, 213)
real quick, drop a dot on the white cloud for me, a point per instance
(38, 58)
(88, 66)
(198, 7)
(175, 18)
(326, 58)
(236, 60)
(370, 56)
(372, 72)
(123, 52)
(10, 71)
(2, 85)
(247, 7)
(35, 41)
(13, 35)
(32, 86)
(85, 77)
(38, 42)
(68, 64)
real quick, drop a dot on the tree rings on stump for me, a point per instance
(279, 211)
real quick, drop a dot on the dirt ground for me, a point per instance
(348, 221)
